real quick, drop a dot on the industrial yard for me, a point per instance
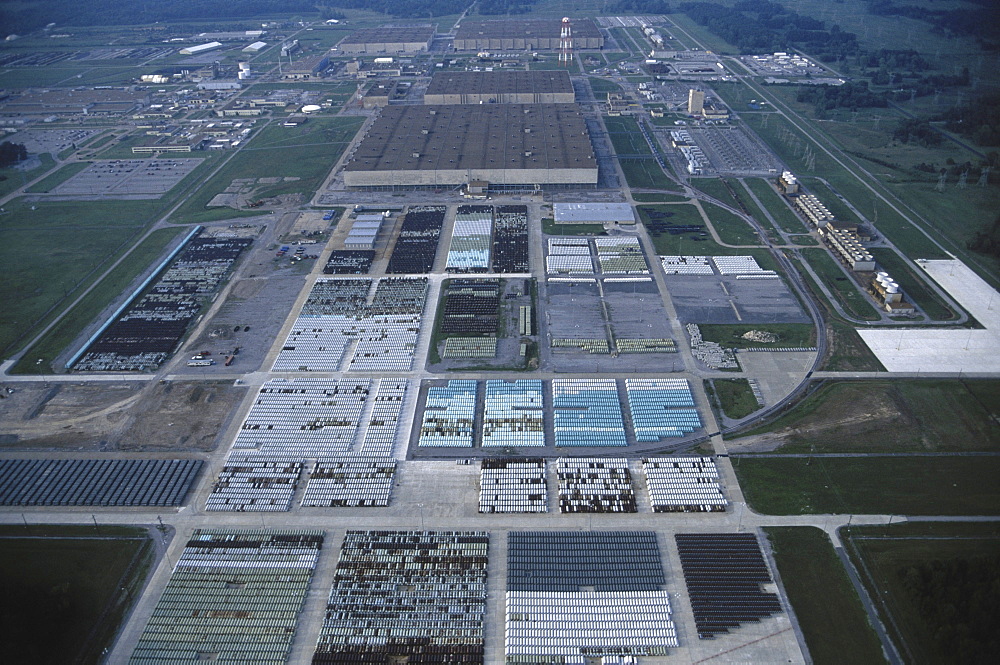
(468, 340)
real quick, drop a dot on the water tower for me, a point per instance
(566, 42)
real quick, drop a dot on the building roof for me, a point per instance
(475, 136)
(391, 35)
(592, 213)
(499, 83)
(521, 28)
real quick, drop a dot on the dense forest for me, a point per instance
(12, 153)
(959, 602)
(761, 26)
(639, 7)
(853, 96)
(978, 120)
(980, 22)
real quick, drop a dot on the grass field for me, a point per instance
(645, 174)
(626, 137)
(914, 286)
(892, 416)
(804, 240)
(38, 278)
(78, 318)
(846, 290)
(783, 215)
(827, 607)
(715, 187)
(550, 228)
(790, 335)
(732, 230)
(935, 587)
(942, 485)
(647, 197)
(602, 87)
(12, 178)
(62, 596)
(53, 180)
(849, 353)
(734, 397)
(305, 154)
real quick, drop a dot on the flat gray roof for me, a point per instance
(520, 28)
(476, 136)
(590, 213)
(391, 35)
(499, 83)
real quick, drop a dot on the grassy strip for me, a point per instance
(827, 607)
(783, 215)
(645, 174)
(790, 335)
(12, 178)
(914, 286)
(53, 180)
(732, 230)
(735, 397)
(919, 571)
(625, 136)
(804, 240)
(602, 87)
(78, 318)
(304, 153)
(849, 353)
(846, 290)
(646, 197)
(944, 485)
(891, 416)
(78, 588)
(550, 228)
(716, 188)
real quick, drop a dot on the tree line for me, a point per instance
(12, 153)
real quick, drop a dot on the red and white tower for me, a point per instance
(566, 42)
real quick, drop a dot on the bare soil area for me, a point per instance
(104, 416)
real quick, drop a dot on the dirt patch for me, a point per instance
(107, 416)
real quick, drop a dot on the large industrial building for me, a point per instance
(503, 87)
(524, 34)
(409, 39)
(507, 146)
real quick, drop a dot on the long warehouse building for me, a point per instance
(525, 34)
(412, 39)
(504, 146)
(503, 87)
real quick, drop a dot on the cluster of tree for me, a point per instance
(408, 9)
(494, 7)
(894, 60)
(28, 16)
(979, 22)
(852, 96)
(978, 120)
(12, 153)
(987, 241)
(760, 26)
(639, 6)
(957, 599)
(917, 131)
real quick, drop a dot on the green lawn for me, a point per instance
(645, 174)
(62, 596)
(934, 585)
(915, 288)
(550, 228)
(78, 318)
(849, 353)
(734, 397)
(732, 230)
(844, 288)
(53, 180)
(625, 136)
(790, 335)
(12, 178)
(602, 87)
(769, 197)
(892, 416)
(303, 154)
(829, 612)
(942, 485)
